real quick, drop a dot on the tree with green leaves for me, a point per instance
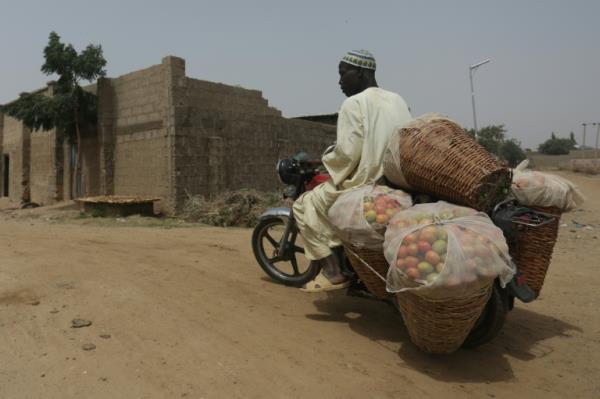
(557, 146)
(70, 107)
(511, 152)
(493, 139)
(573, 141)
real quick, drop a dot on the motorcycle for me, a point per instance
(276, 244)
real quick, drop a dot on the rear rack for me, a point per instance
(521, 215)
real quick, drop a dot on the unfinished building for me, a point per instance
(159, 134)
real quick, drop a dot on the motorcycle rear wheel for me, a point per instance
(282, 265)
(491, 320)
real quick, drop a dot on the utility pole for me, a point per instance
(583, 143)
(597, 135)
(472, 69)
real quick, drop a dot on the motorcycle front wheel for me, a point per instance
(284, 265)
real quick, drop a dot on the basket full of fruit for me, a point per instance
(444, 259)
(360, 217)
(549, 196)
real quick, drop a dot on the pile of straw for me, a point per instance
(241, 208)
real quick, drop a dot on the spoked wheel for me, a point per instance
(285, 265)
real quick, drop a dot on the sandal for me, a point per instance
(322, 284)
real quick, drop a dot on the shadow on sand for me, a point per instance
(522, 337)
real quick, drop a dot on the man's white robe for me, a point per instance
(365, 124)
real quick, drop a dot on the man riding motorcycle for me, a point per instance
(366, 120)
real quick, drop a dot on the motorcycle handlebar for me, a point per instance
(311, 162)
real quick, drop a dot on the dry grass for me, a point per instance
(241, 208)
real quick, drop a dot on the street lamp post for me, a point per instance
(597, 135)
(583, 143)
(472, 69)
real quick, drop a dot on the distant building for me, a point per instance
(159, 134)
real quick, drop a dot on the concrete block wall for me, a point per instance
(14, 141)
(229, 138)
(90, 164)
(43, 181)
(133, 148)
(543, 161)
(219, 97)
(140, 164)
(255, 144)
(35, 161)
(45, 162)
(162, 134)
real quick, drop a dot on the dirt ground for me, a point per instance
(184, 311)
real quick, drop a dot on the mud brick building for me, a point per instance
(159, 134)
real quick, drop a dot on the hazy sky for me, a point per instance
(544, 75)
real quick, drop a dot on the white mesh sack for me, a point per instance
(361, 215)
(533, 188)
(446, 248)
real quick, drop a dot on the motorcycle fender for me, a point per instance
(281, 212)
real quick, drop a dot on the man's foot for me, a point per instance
(322, 284)
(331, 269)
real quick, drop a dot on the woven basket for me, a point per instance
(438, 157)
(532, 252)
(440, 326)
(369, 275)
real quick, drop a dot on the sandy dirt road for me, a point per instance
(186, 313)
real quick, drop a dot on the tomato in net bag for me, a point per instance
(444, 247)
(361, 215)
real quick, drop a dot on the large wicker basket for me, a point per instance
(439, 158)
(532, 251)
(440, 326)
(371, 267)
